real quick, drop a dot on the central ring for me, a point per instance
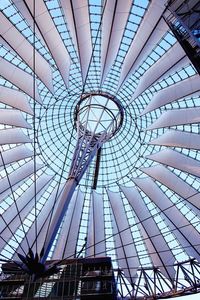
(98, 113)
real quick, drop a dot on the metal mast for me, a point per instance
(97, 118)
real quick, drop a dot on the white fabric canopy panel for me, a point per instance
(151, 30)
(13, 136)
(18, 175)
(19, 78)
(161, 68)
(174, 183)
(25, 12)
(15, 99)
(78, 21)
(174, 92)
(180, 139)
(41, 224)
(56, 58)
(177, 160)
(113, 26)
(96, 232)
(126, 252)
(186, 233)
(24, 49)
(68, 236)
(176, 117)
(20, 208)
(13, 118)
(157, 247)
(51, 36)
(15, 154)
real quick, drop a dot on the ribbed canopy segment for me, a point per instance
(17, 176)
(19, 78)
(26, 13)
(96, 232)
(15, 99)
(174, 183)
(175, 138)
(25, 203)
(43, 220)
(15, 154)
(78, 21)
(64, 62)
(177, 117)
(157, 247)
(151, 30)
(177, 160)
(126, 252)
(20, 45)
(161, 68)
(70, 228)
(113, 26)
(51, 36)
(172, 93)
(181, 227)
(13, 136)
(13, 118)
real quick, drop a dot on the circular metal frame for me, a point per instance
(117, 120)
(135, 150)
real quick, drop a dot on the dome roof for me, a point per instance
(138, 200)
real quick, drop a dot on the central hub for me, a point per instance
(98, 113)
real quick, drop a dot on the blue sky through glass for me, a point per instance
(124, 155)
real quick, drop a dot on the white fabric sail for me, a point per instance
(67, 67)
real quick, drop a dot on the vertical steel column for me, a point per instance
(84, 153)
(90, 140)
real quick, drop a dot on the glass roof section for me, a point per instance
(52, 52)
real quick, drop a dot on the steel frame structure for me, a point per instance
(13, 283)
(162, 111)
(88, 144)
(179, 17)
(186, 282)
